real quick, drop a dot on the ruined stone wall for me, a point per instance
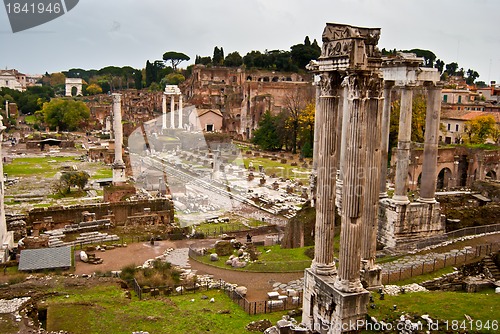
(399, 224)
(121, 211)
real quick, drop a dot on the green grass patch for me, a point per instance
(272, 259)
(440, 306)
(30, 119)
(104, 309)
(40, 166)
(103, 173)
(278, 168)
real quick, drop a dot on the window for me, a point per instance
(459, 108)
(459, 98)
(456, 127)
(445, 98)
(449, 126)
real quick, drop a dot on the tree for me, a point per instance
(203, 60)
(495, 134)
(173, 79)
(451, 68)
(93, 89)
(479, 129)
(471, 76)
(266, 136)
(175, 58)
(295, 102)
(306, 129)
(439, 65)
(218, 57)
(233, 59)
(429, 56)
(71, 179)
(302, 54)
(417, 120)
(67, 115)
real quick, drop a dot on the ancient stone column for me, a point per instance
(384, 139)
(118, 165)
(314, 171)
(3, 224)
(352, 190)
(372, 175)
(403, 150)
(323, 263)
(164, 112)
(172, 111)
(341, 146)
(180, 112)
(429, 167)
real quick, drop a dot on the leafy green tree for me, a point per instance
(72, 179)
(471, 76)
(266, 136)
(65, 114)
(439, 65)
(479, 129)
(173, 79)
(93, 89)
(302, 54)
(203, 60)
(233, 60)
(218, 57)
(175, 58)
(417, 120)
(306, 129)
(451, 68)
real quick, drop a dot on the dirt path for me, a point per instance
(258, 284)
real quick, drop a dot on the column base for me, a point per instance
(324, 269)
(383, 195)
(398, 199)
(327, 310)
(349, 286)
(427, 200)
(371, 277)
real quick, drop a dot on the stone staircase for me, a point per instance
(492, 267)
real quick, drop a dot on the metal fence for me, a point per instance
(250, 307)
(474, 253)
(453, 235)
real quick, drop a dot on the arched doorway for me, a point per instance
(492, 175)
(74, 91)
(443, 179)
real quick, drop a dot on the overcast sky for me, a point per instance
(98, 33)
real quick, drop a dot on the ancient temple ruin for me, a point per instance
(402, 221)
(348, 124)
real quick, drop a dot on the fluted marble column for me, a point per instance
(3, 224)
(314, 171)
(348, 279)
(172, 111)
(118, 165)
(180, 112)
(403, 151)
(323, 263)
(429, 167)
(164, 112)
(372, 177)
(384, 139)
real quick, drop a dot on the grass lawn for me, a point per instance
(103, 173)
(271, 259)
(40, 166)
(276, 167)
(441, 306)
(104, 309)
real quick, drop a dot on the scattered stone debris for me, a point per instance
(259, 326)
(394, 290)
(12, 305)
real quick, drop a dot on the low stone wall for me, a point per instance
(120, 210)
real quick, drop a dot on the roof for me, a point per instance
(467, 115)
(202, 112)
(45, 258)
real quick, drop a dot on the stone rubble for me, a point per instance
(394, 290)
(12, 305)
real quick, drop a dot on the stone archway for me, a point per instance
(72, 83)
(492, 175)
(443, 179)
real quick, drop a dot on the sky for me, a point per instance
(99, 33)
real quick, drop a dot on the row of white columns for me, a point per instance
(172, 111)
